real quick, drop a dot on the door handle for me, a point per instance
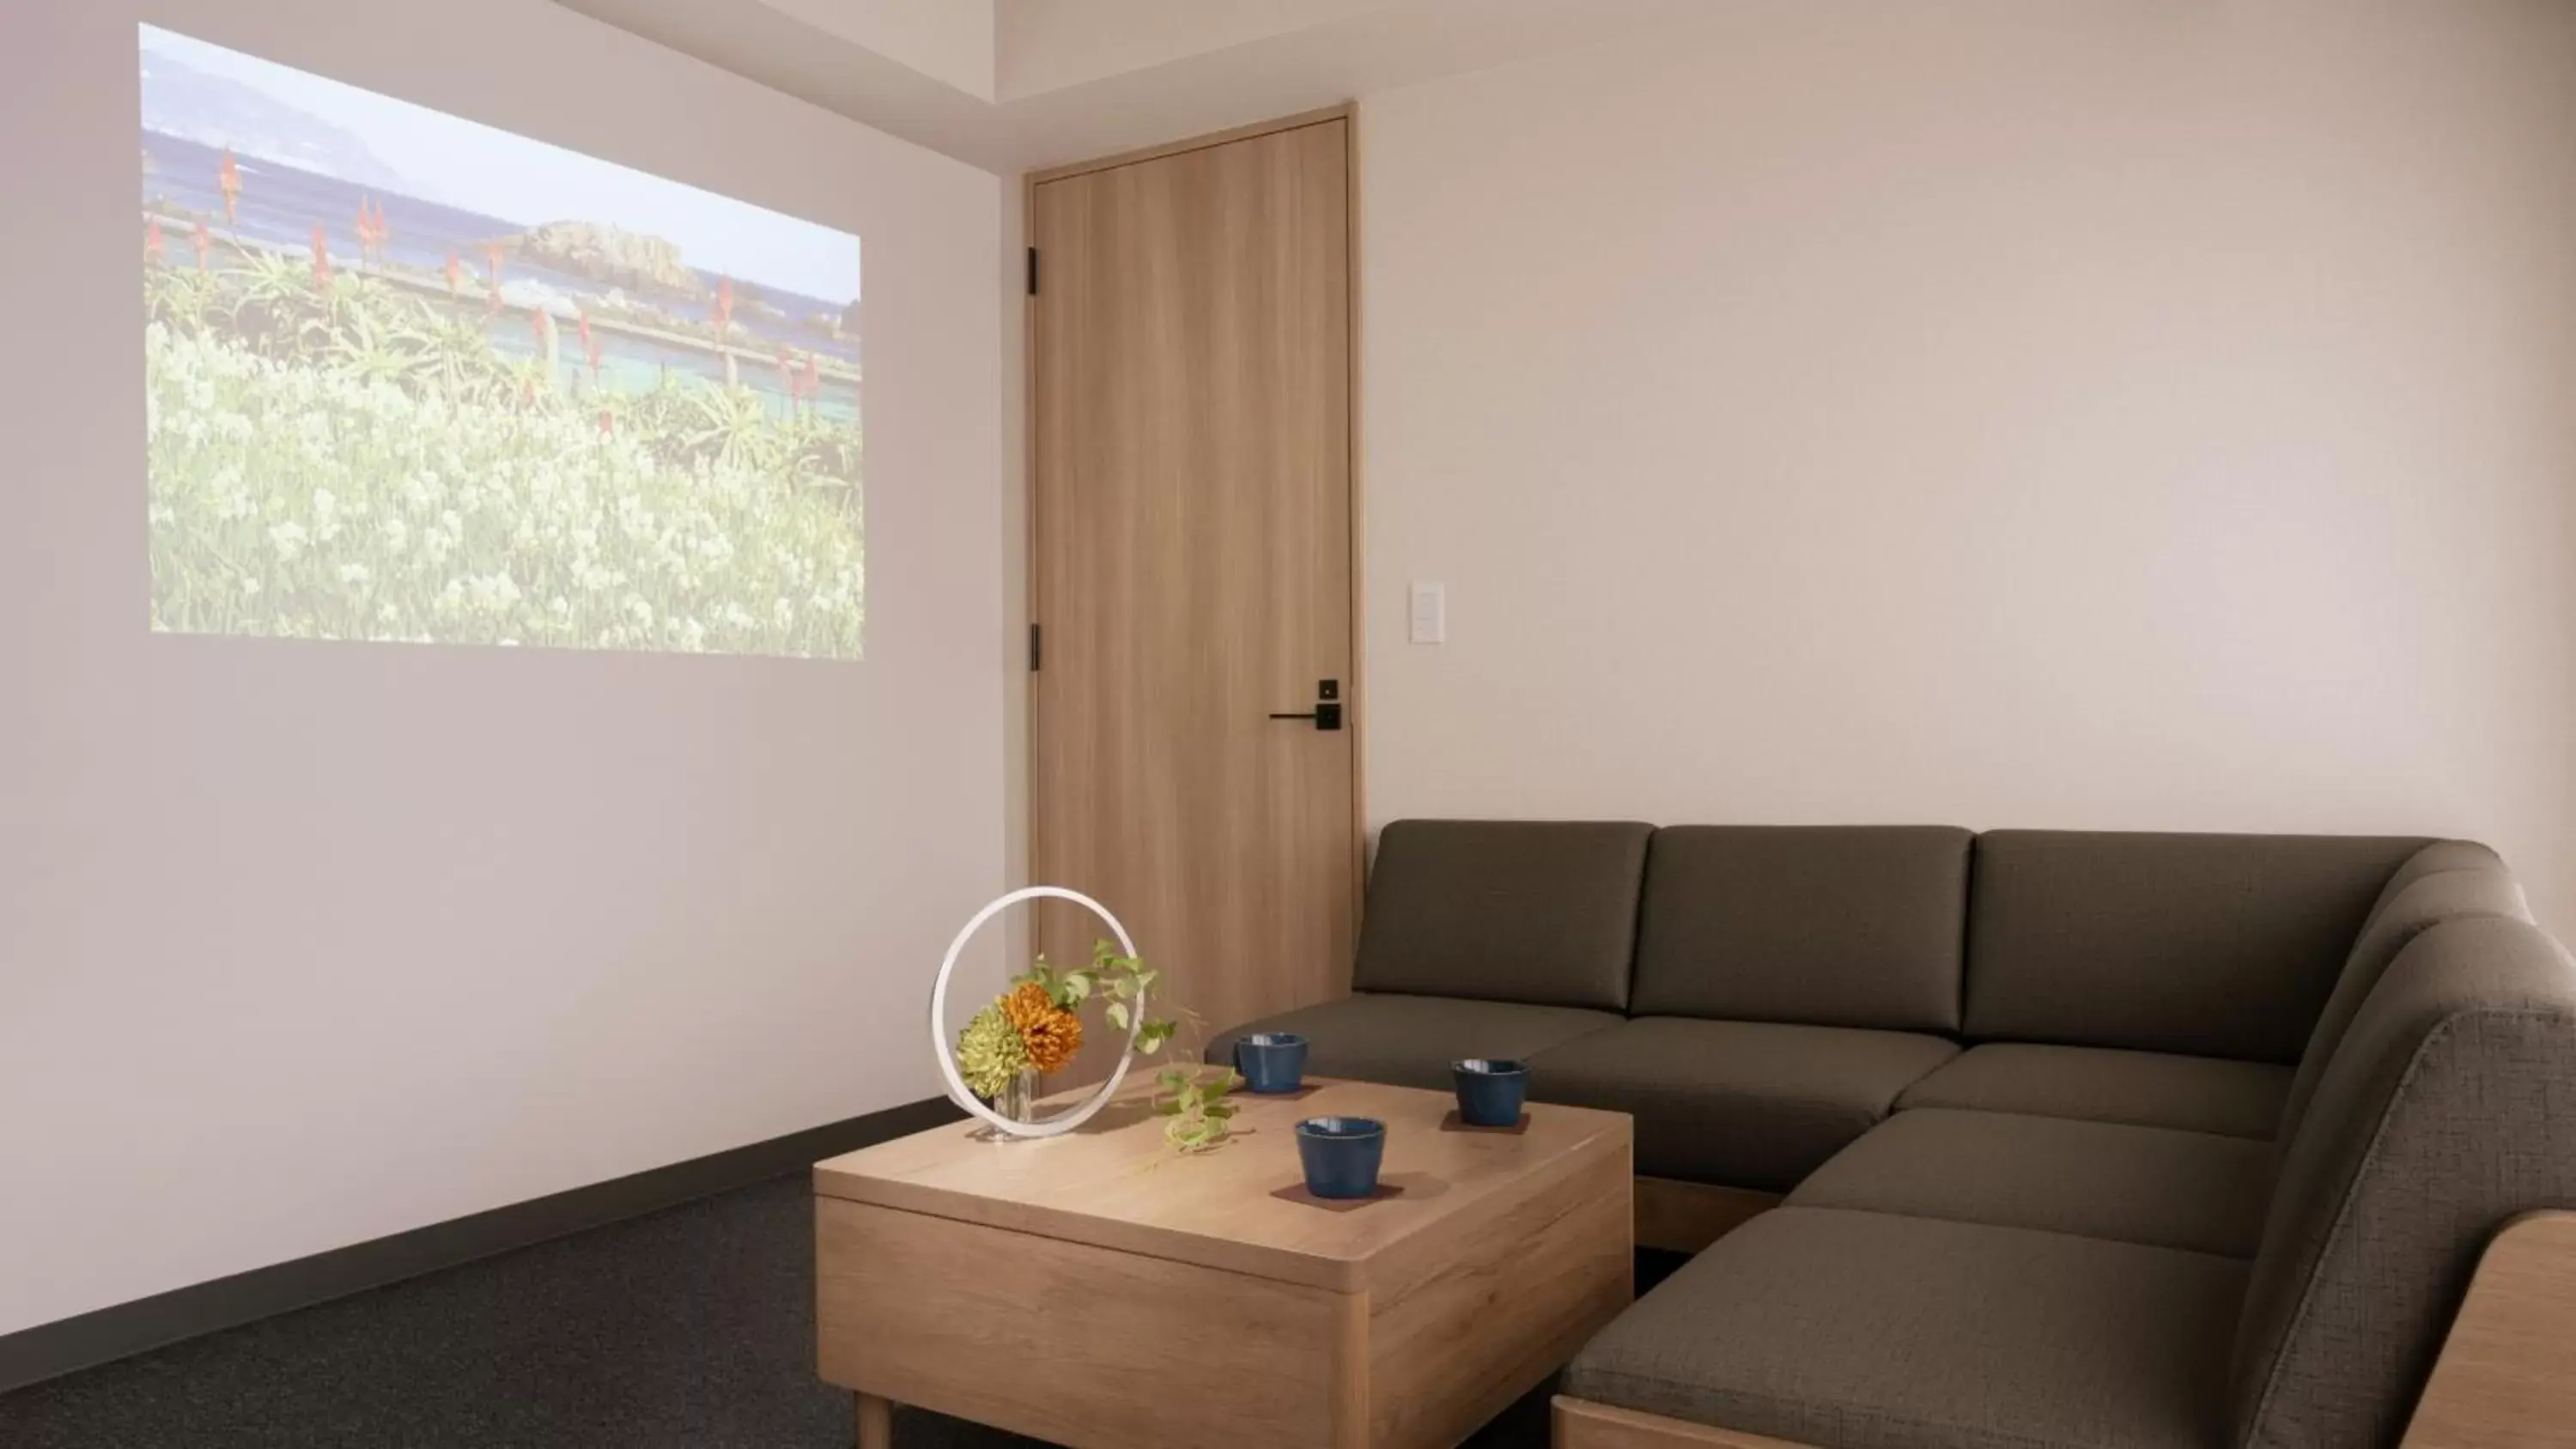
(1327, 713)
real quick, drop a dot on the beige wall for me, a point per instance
(951, 41)
(1046, 45)
(2096, 413)
(301, 944)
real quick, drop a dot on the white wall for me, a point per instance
(301, 944)
(2095, 413)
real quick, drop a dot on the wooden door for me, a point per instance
(1192, 565)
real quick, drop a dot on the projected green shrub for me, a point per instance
(336, 457)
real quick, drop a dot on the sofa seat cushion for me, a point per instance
(2097, 1084)
(1409, 1041)
(2153, 1185)
(1739, 1103)
(1855, 1330)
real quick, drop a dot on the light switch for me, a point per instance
(1430, 614)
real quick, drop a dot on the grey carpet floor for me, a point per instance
(688, 1329)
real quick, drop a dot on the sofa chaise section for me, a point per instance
(1863, 1330)
(2440, 1118)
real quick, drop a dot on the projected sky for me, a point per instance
(412, 378)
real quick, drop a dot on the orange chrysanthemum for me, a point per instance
(1027, 1003)
(1053, 1041)
(1050, 1033)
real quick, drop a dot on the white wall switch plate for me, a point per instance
(1430, 614)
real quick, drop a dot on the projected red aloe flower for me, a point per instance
(321, 259)
(455, 274)
(813, 379)
(492, 253)
(589, 346)
(228, 178)
(724, 307)
(152, 240)
(371, 229)
(204, 242)
(607, 423)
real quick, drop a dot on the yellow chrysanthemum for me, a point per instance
(989, 1053)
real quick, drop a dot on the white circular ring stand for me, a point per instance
(1065, 1122)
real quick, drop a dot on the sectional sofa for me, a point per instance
(2015, 1139)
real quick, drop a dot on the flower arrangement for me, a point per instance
(1035, 1027)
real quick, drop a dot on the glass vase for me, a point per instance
(1019, 1100)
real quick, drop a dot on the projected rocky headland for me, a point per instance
(380, 409)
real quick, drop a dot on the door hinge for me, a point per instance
(1033, 271)
(1037, 649)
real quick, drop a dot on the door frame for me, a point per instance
(1356, 712)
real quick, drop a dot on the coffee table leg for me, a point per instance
(876, 1423)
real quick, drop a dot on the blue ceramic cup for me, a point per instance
(1271, 1061)
(1341, 1154)
(1490, 1093)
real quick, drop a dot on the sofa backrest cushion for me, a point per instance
(1536, 911)
(1828, 925)
(2479, 888)
(2206, 945)
(2438, 857)
(2448, 1109)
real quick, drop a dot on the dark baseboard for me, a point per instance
(53, 1349)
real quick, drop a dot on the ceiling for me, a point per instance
(1015, 85)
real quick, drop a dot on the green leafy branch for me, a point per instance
(1126, 983)
(1193, 1100)
(1196, 1106)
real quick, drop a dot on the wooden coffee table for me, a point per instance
(1097, 1290)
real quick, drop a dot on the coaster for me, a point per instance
(1302, 1091)
(1455, 1122)
(1296, 1192)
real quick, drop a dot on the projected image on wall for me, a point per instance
(413, 378)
